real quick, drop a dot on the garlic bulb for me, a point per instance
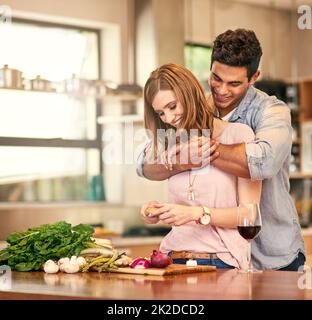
(81, 261)
(50, 267)
(71, 267)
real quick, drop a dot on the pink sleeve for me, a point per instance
(244, 134)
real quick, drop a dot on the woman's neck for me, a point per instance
(218, 127)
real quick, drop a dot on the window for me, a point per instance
(50, 144)
(198, 60)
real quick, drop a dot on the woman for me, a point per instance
(203, 202)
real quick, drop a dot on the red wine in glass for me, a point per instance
(249, 232)
(249, 225)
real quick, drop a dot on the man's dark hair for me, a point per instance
(238, 48)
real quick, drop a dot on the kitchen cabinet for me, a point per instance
(307, 237)
(300, 168)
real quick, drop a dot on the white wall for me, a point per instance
(159, 35)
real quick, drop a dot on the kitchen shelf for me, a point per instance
(297, 141)
(53, 205)
(48, 142)
(300, 175)
(32, 177)
(123, 118)
(78, 95)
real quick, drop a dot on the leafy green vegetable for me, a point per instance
(28, 250)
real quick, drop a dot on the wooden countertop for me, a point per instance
(211, 285)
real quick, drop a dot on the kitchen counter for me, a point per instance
(220, 284)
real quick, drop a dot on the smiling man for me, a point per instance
(229, 85)
(234, 69)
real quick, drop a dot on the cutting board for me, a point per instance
(170, 270)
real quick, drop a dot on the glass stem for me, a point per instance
(249, 256)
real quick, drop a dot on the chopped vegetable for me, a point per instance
(124, 261)
(140, 263)
(191, 263)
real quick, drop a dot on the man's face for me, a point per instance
(228, 86)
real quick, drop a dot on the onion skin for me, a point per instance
(140, 263)
(160, 259)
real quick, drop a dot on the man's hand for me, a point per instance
(201, 151)
(197, 153)
(175, 214)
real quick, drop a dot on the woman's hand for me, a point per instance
(176, 214)
(148, 218)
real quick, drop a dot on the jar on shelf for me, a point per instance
(41, 84)
(78, 85)
(11, 78)
(98, 88)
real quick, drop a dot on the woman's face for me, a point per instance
(168, 108)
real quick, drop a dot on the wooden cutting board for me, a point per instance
(170, 270)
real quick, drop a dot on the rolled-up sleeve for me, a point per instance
(140, 163)
(140, 160)
(272, 144)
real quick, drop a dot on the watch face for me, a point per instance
(205, 219)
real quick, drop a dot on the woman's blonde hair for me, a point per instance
(197, 113)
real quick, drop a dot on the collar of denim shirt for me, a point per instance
(243, 106)
(241, 109)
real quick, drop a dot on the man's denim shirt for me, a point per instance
(280, 239)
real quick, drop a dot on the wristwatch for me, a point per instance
(205, 217)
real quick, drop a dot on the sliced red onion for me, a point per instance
(140, 263)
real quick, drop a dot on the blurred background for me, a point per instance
(71, 111)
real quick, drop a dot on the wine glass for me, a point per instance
(249, 225)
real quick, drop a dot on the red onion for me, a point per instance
(160, 259)
(140, 263)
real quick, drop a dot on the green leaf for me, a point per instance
(83, 228)
(4, 255)
(29, 249)
(26, 266)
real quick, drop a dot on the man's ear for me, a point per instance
(255, 77)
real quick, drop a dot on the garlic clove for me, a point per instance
(81, 261)
(63, 260)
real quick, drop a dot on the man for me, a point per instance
(234, 70)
